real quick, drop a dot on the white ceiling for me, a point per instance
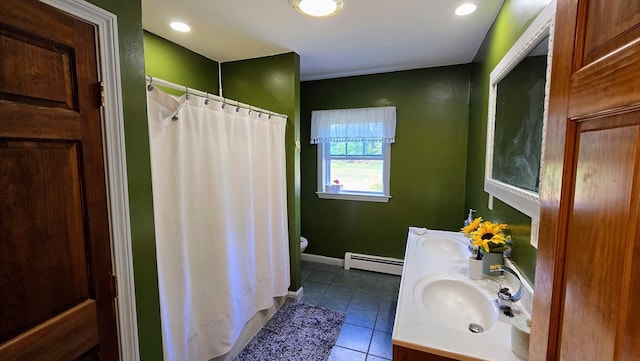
(368, 36)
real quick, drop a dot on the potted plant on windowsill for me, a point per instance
(335, 187)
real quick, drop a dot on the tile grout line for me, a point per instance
(379, 312)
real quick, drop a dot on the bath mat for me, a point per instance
(297, 332)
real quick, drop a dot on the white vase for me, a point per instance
(475, 268)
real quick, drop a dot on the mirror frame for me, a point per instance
(525, 201)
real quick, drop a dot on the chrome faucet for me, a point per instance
(505, 298)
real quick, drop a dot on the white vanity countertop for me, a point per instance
(416, 330)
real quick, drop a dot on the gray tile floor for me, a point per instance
(369, 300)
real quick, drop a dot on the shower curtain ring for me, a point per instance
(187, 91)
(150, 87)
(206, 100)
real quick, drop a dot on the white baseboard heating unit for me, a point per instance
(373, 263)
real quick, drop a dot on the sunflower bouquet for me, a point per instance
(487, 236)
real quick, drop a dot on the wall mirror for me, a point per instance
(518, 98)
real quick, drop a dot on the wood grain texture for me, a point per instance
(608, 84)
(64, 337)
(55, 241)
(43, 248)
(594, 271)
(28, 17)
(609, 25)
(97, 217)
(45, 79)
(585, 289)
(549, 264)
(628, 345)
(406, 354)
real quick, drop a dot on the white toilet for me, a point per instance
(303, 244)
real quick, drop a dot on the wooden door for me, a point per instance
(56, 287)
(587, 287)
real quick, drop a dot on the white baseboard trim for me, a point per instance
(373, 263)
(322, 259)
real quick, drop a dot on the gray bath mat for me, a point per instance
(297, 332)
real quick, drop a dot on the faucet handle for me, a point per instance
(504, 293)
(505, 301)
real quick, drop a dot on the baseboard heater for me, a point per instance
(373, 263)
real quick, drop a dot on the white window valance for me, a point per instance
(354, 125)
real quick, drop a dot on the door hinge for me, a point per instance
(114, 286)
(100, 93)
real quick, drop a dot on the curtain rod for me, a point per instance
(161, 82)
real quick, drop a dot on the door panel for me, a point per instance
(76, 328)
(608, 26)
(606, 85)
(43, 251)
(586, 285)
(34, 85)
(600, 236)
(56, 286)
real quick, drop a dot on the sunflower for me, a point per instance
(466, 230)
(490, 236)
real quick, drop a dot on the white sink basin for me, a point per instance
(454, 303)
(443, 246)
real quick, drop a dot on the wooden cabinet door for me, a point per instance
(587, 284)
(56, 287)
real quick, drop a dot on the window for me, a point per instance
(354, 152)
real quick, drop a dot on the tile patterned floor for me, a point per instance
(369, 300)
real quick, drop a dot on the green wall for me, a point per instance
(428, 160)
(426, 190)
(129, 14)
(168, 61)
(513, 19)
(273, 83)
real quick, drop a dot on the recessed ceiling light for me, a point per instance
(181, 27)
(466, 9)
(318, 8)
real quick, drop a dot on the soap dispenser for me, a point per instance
(469, 219)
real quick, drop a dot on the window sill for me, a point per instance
(354, 196)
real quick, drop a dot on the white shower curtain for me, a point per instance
(219, 194)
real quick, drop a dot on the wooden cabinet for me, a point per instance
(406, 354)
(589, 250)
